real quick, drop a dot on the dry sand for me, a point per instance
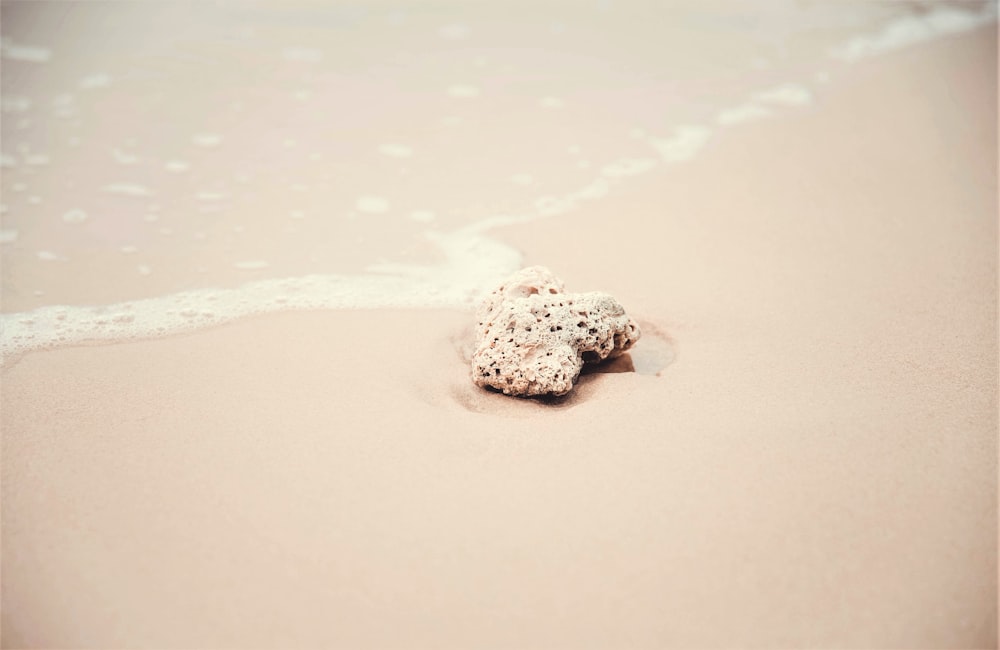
(817, 467)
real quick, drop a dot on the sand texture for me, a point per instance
(800, 452)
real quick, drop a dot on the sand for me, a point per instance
(813, 465)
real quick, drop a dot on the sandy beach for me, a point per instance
(800, 452)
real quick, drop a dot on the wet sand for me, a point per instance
(813, 465)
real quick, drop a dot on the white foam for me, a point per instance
(127, 189)
(6, 160)
(395, 150)
(37, 159)
(423, 216)
(522, 179)
(741, 114)
(16, 104)
(472, 265)
(786, 95)
(551, 102)
(685, 144)
(251, 265)
(596, 190)
(372, 205)
(27, 53)
(548, 206)
(74, 216)
(93, 81)
(207, 139)
(176, 166)
(463, 91)
(8, 236)
(123, 157)
(913, 29)
(48, 256)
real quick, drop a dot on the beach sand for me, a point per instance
(808, 456)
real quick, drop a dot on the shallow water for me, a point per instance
(167, 166)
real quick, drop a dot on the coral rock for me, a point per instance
(533, 338)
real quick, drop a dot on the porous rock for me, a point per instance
(533, 338)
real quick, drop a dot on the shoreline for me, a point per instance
(815, 465)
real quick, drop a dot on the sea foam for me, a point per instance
(472, 261)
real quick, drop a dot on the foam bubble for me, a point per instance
(8, 235)
(207, 139)
(596, 190)
(395, 150)
(548, 206)
(124, 158)
(37, 159)
(686, 142)
(47, 256)
(176, 166)
(372, 205)
(422, 216)
(6, 160)
(17, 104)
(787, 95)
(127, 189)
(463, 91)
(740, 114)
(75, 216)
(28, 53)
(251, 265)
(93, 81)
